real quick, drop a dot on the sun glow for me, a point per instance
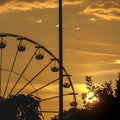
(91, 98)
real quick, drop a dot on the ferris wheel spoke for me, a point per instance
(22, 73)
(34, 77)
(43, 86)
(27, 80)
(46, 111)
(0, 70)
(2, 45)
(14, 60)
(54, 97)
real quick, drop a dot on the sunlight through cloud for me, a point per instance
(117, 61)
(39, 21)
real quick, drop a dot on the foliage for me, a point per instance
(107, 108)
(20, 107)
(92, 88)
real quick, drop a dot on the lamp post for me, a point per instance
(60, 63)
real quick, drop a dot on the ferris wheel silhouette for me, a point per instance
(27, 67)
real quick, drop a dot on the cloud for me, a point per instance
(98, 44)
(105, 10)
(93, 19)
(2, 2)
(72, 2)
(103, 72)
(91, 53)
(76, 29)
(23, 5)
(117, 61)
(80, 88)
(39, 21)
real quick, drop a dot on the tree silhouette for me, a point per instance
(20, 107)
(107, 108)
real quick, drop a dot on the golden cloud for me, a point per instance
(117, 61)
(19, 5)
(23, 5)
(108, 10)
(105, 10)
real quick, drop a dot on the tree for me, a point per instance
(20, 107)
(107, 108)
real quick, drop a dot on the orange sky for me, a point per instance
(91, 32)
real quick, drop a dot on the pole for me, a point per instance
(60, 63)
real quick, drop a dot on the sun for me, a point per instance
(91, 98)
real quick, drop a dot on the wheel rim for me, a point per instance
(23, 70)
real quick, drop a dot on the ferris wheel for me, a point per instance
(27, 67)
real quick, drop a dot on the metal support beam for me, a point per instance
(60, 62)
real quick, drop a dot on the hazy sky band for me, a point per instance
(102, 9)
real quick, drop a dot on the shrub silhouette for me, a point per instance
(108, 107)
(20, 107)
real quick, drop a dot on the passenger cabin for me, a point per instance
(2, 44)
(66, 85)
(39, 54)
(21, 48)
(74, 104)
(54, 66)
(54, 69)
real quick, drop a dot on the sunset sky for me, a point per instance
(91, 33)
